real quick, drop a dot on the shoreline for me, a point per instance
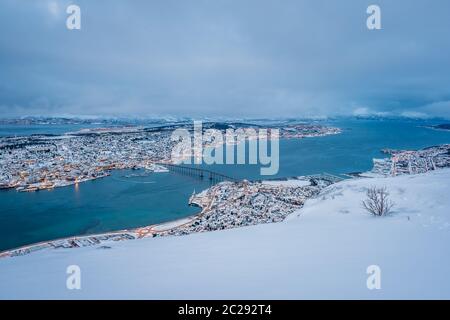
(93, 239)
(97, 238)
(153, 230)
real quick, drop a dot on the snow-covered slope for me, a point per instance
(321, 251)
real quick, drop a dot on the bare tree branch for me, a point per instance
(377, 201)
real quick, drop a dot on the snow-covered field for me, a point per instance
(321, 251)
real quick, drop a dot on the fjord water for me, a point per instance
(11, 130)
(116, 202)
(350, 151)
(122, 201)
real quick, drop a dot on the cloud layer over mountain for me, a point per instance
(225, 58)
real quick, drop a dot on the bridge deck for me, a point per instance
(212, 175)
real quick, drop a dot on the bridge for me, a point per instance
(200, 173)
(215, 177)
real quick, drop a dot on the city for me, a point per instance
(412, 162)
(40, 162)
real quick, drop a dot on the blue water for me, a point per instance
(106, 204)
(12, 130)
(350, 151)
(118, 202)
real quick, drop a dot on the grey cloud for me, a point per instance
(231, 58)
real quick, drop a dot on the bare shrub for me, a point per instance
(377, 201)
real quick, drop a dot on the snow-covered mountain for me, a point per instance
(321, 251)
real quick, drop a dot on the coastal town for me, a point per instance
(229, 205)
(403, 162)
(44, 162)
(39, 162)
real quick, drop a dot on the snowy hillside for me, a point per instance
(321, 251)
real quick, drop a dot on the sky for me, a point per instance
(225, 58)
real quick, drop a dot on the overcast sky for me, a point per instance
(233, 58)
